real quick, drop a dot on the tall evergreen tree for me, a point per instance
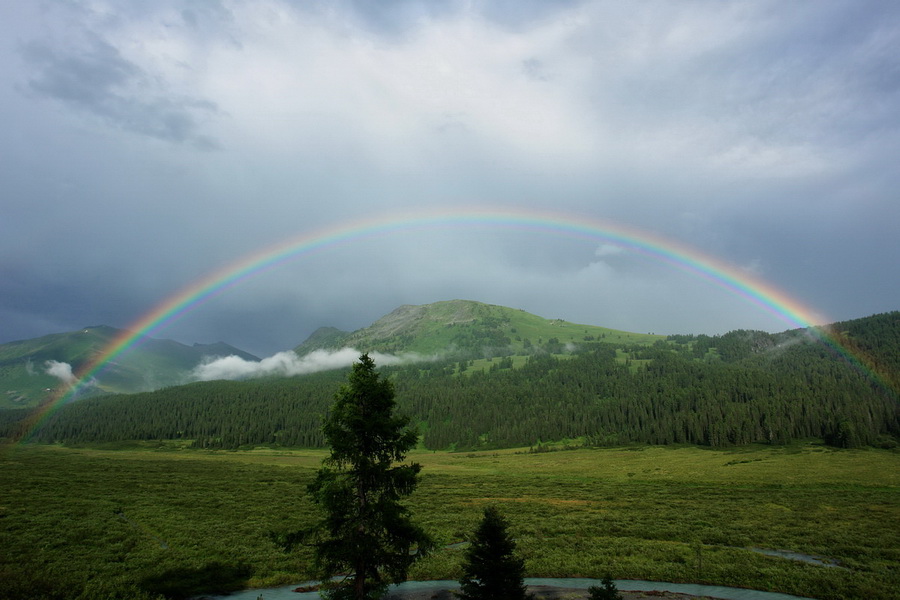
(491, 570)
(366, 531)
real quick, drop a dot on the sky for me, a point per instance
(146, 145)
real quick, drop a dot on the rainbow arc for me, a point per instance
(755, 290)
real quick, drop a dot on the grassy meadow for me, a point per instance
(144, 521)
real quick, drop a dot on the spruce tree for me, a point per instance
(366, 531)
(492, 571)
(608, 591)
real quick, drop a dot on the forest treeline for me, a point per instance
(738, 388)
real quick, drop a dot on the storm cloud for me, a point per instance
(96, 79)
(148, 145)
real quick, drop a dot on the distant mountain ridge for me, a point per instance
(462, 328)
(151, 364)
(465, 327)
(733, 389)
(470, 334)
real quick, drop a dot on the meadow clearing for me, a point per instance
(160, 519)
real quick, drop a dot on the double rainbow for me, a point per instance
(673, 253)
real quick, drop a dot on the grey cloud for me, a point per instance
(206, 13)
(100, 81)
(534, 68)
(808, 74)
(87, 79)
(210, 19)
(68, 300)
(396, 18)
(516, 14)
(801, 78)
(691, 120)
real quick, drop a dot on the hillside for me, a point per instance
(151, 364)
(466, 328)
(452, 329)
(739, 388)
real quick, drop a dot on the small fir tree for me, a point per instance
(366, 531)
(606, 591)
(492, 571)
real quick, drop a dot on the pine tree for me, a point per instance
(608, 591)
(366, 532)
(492, 571)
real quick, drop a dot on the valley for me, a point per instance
(156, 518)
(749, 459)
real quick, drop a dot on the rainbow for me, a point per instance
(673, 253)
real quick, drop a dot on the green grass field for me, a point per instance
(148, 520)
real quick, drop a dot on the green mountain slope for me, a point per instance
(466, 328)
(151, 364)
(738, 388)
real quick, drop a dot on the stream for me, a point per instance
(726, 593)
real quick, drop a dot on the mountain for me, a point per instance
(451, 329)
(738, 388)
(25, 365)
(466, 328)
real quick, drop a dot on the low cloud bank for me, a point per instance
(60, 370)
(289, 363)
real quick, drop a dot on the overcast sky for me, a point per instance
(147, 144)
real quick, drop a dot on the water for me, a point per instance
(727, 593)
